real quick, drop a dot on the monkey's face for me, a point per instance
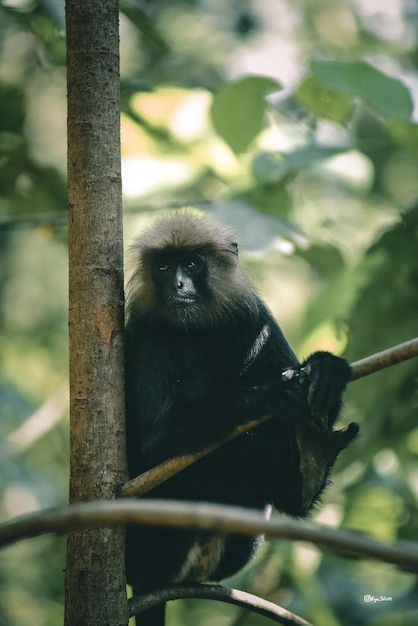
(194, 286)
(181, 286)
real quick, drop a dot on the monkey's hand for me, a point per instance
(326, 377)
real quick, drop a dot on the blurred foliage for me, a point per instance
(296, 123)
(236, 124)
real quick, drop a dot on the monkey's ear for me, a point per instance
(234, 247)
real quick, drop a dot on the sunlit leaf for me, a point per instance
(238, 110)
(324, 101)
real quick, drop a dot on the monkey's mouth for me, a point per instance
(181, 300)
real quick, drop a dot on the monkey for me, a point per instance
(203, 355)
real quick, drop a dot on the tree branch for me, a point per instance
(213, 518)
(39, 423)
(386, 358)
(153, 477)
(245, 600)
(150, 479)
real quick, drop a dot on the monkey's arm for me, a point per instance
(324, 374)
(206, 420)
(210, 418)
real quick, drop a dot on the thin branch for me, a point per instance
(386, 358)
(160, 473)
(150, 479)
(39, 423)
(214, 518)
(245, 600)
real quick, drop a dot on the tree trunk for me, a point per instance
(95, 582)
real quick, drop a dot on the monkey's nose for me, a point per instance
(178, 282)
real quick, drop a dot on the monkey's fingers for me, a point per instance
(339, 439)
(326, 377)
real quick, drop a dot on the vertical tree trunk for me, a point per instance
(95, 583)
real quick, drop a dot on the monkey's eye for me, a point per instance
(191, 266)
(163, 267)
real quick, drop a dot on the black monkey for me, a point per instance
(204, 354)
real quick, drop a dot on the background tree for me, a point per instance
(322, 194)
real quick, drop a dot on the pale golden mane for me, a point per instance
(187, 230)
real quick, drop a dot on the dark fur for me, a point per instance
(193, 373)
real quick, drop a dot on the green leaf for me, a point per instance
(271, 167)
(405, 134)
(325, 258)
(238, 110)
(12, 109)
(307, 156)
(324, 101)
(384, 94)
(387, 298)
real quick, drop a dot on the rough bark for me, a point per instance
(95, 584)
